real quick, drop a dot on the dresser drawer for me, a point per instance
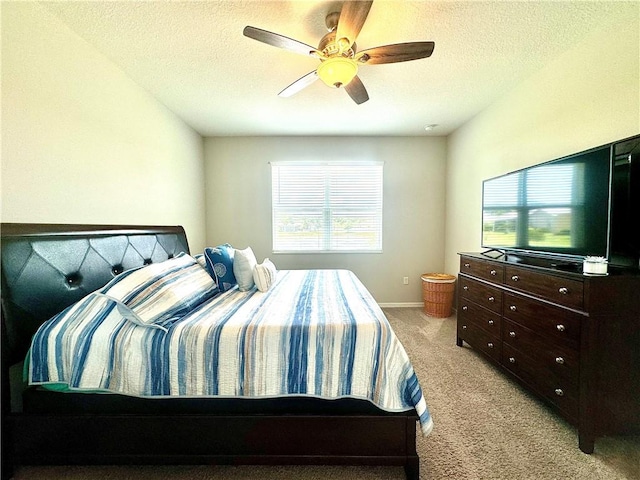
(558, 359)
(559, 391)
(480, 340)
(548, 321)
(482, 269)
(563, 291)
(485, 295)
(471, 313)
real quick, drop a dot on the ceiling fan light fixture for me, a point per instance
(337, 71)
(338, 53)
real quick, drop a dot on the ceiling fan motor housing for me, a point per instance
(329, 47)
(331, 21)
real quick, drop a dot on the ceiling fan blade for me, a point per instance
(299, 84)
(352, 18)
(356, 90)
(278, 40)
(399, 52)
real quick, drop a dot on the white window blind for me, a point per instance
(327, 207)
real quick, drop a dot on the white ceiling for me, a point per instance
(193, 57)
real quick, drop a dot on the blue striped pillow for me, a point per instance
(201, 260)
(162, 291)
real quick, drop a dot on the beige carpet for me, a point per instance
(486, 427)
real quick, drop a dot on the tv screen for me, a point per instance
(559, 207)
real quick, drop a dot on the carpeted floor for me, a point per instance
(486, 427)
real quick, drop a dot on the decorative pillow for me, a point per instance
(264, 274)
(243, 263)
(201, 260)
(160, 291)
(220, 265)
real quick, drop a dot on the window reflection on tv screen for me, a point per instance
(556, 207)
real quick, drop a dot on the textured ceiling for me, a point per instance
(193, 57)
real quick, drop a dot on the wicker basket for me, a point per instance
(438, 290)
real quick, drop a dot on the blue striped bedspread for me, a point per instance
(314, 332)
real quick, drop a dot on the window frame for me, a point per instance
(327, 208)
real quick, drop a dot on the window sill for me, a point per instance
(307, 252)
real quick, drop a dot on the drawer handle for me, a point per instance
(515, 278)
(490, 344)
(513, 308)
(464, 327)
(512, 334)
(512, 360)
(492, 299)
(466, 287)
(560, 327)
(560, 360)
(465, 308)
(493, 272)
(563, 290)
(490, 322)
(559, 392)
(467, 265)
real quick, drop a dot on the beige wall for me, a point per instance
(83, 143)
(238, 199)
(587, 97)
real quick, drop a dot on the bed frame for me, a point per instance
(47, 267)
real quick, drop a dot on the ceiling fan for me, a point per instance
(337, 51)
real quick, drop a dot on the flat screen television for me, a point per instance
(557, 208)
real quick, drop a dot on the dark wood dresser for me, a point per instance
(572, 339)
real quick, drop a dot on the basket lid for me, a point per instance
(438, 278)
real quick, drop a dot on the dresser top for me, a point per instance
(565, 267)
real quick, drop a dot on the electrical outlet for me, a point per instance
(405, 280)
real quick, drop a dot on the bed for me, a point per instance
(48, 269)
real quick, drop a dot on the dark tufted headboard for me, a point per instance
(47, 267)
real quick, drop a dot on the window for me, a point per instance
(327, 207)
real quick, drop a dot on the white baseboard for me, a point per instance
(401, 305)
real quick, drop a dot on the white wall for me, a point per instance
(588, 97)
(83, 143)
(238, 204)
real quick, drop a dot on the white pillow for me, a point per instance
(243, 263)
(264, 274)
